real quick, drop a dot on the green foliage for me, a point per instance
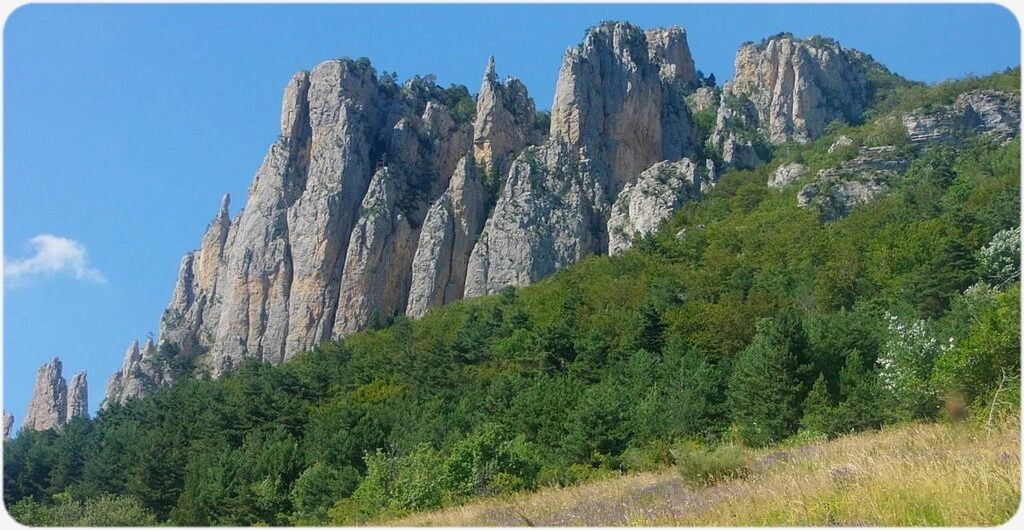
(764, 388)
(460, 103)
(542, 122)
(597, 369)
(318, 488)
(819, 412)
(103, 510)
(988, 354)
(702, 467)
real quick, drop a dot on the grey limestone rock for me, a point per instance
(786, 174)
(48, 407)
(979, 112)
(78, 396)
(644, 204)
(446, 241)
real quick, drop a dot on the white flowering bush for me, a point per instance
(905, 365)
(1000, 259)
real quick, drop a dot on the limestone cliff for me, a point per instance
(78, 396)
(52, 404)
(789, 89)
(622, 105)
(645, 203)
(48, 407)
(619, 108)
(446, 241)
(379, 198)
(800, 86)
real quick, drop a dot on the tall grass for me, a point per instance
(953, 474)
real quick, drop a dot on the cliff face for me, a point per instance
(52, 405)
(619, 108)
(619, 99)
(836, 191)
(379, 199)
(788, 89)
(644, 204)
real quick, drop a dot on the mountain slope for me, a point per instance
(909, 475)
(746, 316)
(380, 199)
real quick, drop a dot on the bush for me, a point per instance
(653, 456)
(702, 467)
(106, 510)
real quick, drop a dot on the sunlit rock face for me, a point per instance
(379, 199)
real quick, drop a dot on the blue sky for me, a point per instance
(123, 125)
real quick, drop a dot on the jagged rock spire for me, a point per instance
(48, 407)
(491, 74)
(504, 120)
(140, 374)
(78, 396)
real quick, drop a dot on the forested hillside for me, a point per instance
(745, 319)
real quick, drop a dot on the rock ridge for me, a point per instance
(379, 199)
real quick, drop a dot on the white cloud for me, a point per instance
(53, 255)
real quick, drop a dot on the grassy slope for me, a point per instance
(911, 475)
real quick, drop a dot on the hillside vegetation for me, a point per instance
(744, 322)
(910, 475)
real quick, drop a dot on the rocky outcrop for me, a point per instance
(546, 218)
(52, 405)
(78, 396)
(8, 424)
(786, 174)
(190, 318)
(142, 372)
(375, 200)
(381, 247)
(840, 143)
(620, 107)
(788, 89)
(504, 121)
(703, 99)
(735, 137)
(277, 279)
(623, 106)
(835, 191)
(446, 241)
(48, 407)
(979, 112)
(800, 86)
(644, 204)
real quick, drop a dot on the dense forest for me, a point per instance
(744, 320)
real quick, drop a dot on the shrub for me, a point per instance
(906, 363)
(702, 467)
(656, 454)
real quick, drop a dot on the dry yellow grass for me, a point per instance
(930, 474)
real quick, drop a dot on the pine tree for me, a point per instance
(859, 386)
(646, 329)
(819, 413)
(764, 391)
